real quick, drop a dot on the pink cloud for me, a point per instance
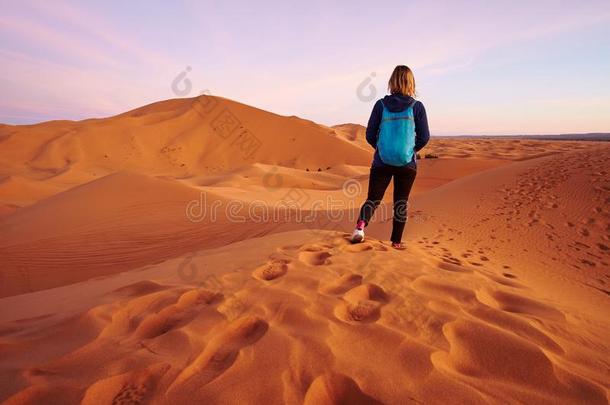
(59, 43)
(100, 29)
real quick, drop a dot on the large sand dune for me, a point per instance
(117, 289)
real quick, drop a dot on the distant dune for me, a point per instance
(596, 136)
(177, 138)
(118, 285)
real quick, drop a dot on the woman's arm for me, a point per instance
(373, 126)
(422, 132)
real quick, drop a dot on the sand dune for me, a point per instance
(116, 223)
(473, 147)
(178, 138)
(117, 289)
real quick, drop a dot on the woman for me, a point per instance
(397, 129)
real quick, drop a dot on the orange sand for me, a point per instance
(110, 294)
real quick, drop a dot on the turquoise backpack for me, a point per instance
(396, 140)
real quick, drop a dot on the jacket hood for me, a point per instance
(397, 102)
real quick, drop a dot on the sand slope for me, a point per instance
(116, 288)
(178, 138)
(119, 222)
(327, 321)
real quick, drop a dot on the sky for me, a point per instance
(481, 67)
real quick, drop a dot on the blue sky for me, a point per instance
(482, 67)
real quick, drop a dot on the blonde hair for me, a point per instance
(402, 81)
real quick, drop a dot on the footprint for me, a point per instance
(170, 317)
(479, 349)
(196, 297)
(362, 311)
(444, 289)
(342, 284)
(366, 292)
(334, 388)
(315, 247)
(490, 353)
(452, 266)
(448, 258)
(518, 304)
(379, 246)
(131, 388)
(315, 258)
(507, 281)
(131, 394)
(358, 247)
(221, 352)
(272, 270)
(361, 304)
(514, 324)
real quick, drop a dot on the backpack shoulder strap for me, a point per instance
(413, 103)
(383, 108)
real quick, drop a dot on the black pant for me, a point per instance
(379, 180)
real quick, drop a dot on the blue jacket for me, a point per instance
(395, 103)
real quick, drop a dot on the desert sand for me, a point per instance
(118, 286)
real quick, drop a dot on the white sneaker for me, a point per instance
(357, 235)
